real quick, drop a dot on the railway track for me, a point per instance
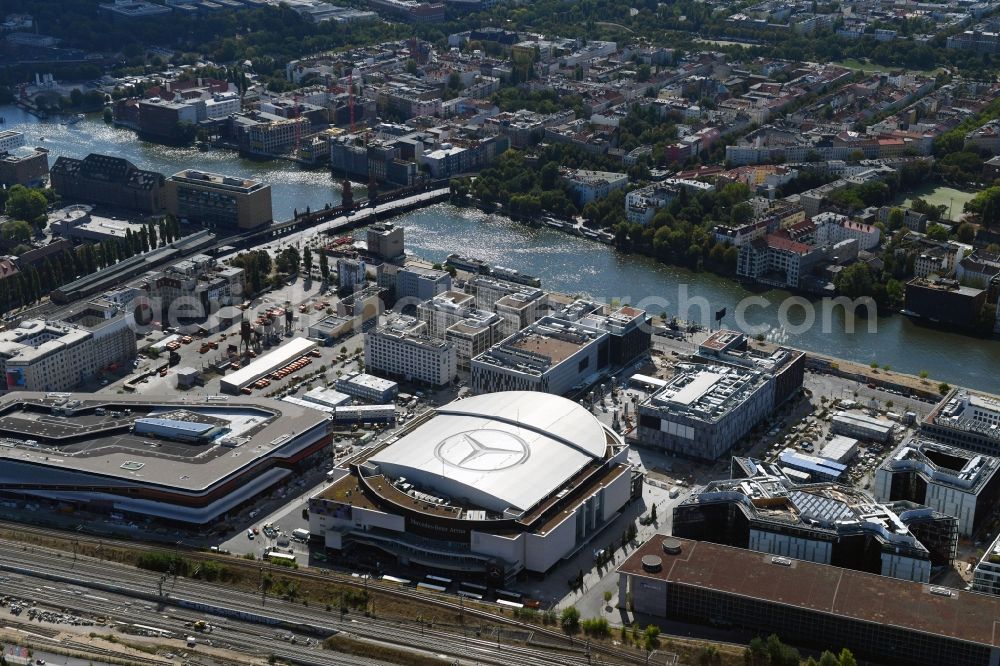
(186, 593)
(325, 575)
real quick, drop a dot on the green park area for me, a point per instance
(953, 200)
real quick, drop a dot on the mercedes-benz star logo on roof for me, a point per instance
(483, 450)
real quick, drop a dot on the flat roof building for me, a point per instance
(628, 327)
(9, 140)
(212, 455)
(79, 223)
(705, 409)
(986, 575)
(60, 353)
(368, 387)
(263, 366)
(966, 419)
(24, 166)
(416, 283)
(882, 619)
(473, 335)
(551, 355)
(861, 426)
(326, 397)
(470, 490)
(828, 523)
(331, 328)
(219, 201)
(953, 481)
(385, 241)
(403, 349)
(733, 348)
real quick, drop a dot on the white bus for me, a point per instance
(276, 556)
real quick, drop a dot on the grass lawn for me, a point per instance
(942, 196)
(868, 66)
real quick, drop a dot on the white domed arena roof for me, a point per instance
(497, 451)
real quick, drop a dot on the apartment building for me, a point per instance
(643, 204)
(60, 353)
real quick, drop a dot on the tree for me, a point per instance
(569, 620)
(855, 281)
(937, 232)
(307, 260)
(780, 654)
(847, 659)
(943, 388)
(16, 231)
(828, 659)
(28, 205)
(651, 638)
(966, 233)
(324, 266)
(756, 653)
(896, 218)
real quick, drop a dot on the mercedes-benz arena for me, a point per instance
(183, 460)
(485, 486)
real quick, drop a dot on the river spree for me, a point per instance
(565, 263)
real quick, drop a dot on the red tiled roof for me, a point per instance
(776, 242)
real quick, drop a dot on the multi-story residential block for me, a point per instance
(641, 205)
(978, 269)
(588, 186)
(832, 228)
(403, 349)
(219, 201)
(975, 40)
(61, 353)
(777, 260)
